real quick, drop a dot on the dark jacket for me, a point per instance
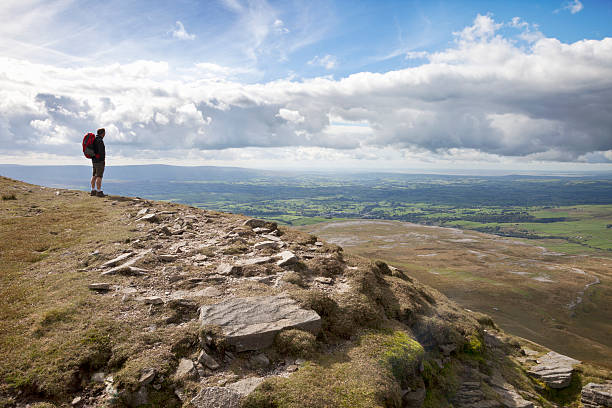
(99, 150)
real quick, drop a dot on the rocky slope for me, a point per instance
(127, 302)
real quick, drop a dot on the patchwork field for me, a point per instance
(560, 300)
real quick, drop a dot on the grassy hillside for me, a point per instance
(385, 337)
(545, 296)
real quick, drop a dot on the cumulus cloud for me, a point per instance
(488, 96)
(573, 6)
(180, 33)
(327, 61)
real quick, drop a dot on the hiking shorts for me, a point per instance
(98, 169)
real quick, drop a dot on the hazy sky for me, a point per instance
(309, 84)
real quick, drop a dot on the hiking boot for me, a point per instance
(93, 192)
(100, 194)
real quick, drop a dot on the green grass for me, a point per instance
(366, 375)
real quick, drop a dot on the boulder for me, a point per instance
(186, 370)
(245, 386)
(207, 360)
(286, 258)
(597, 395)
(554, 369)
(252, 323)
(227, 269)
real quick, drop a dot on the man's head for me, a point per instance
(101, 132)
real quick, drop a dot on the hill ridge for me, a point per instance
(121, 299)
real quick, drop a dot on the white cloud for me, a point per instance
(573, 6)
(327, 61)
(488, 96)
(290, 115)
(180, 33)
(279, 26)
(416, 54)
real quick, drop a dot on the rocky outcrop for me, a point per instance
(226, 397)
(554, 369)
(251, 323)
(597, 395)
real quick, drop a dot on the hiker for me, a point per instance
(98, 163)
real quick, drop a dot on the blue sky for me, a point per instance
(370, 84)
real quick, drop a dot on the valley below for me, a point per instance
(560, 300)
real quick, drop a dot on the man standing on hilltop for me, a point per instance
(98, 161)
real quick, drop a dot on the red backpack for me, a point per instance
(88, 142)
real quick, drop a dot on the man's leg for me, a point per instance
(93, 182)
(99, 183)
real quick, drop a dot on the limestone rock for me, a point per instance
(554, 369)
(227, 269)
(149, 218)
(147, 376)
(186, 370)
(251, 323)
(153, 300)
(100, 287)
(324, 280)
(128, 267)
(245, 386)
(118, 259)
(256, 260)
(506, 393)
(286, 258)
(217, 397)
(271, 237)
(597, 395)
(207, 360)
(266, 244)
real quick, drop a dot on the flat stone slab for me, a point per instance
(226, 397)
(100, 287)
(597, 395)
(252, 323)
(256, 260)
(266, 244)
(217, 397)
(554, 369)
(114, 262)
